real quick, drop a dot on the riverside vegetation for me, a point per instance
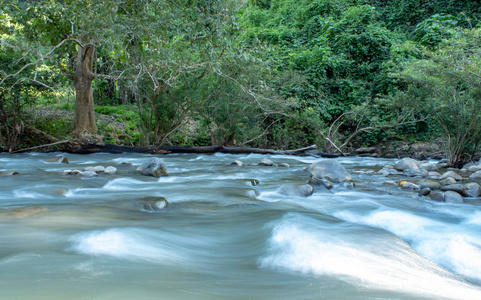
(341, 74)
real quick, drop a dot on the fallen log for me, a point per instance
(117, 149)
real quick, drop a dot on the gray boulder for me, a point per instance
(327, 171)
(458, 188)
(304, 190)
(447, 181)
(284, 165)
(409, 186)
(95, 169)
(88, 174)
(437, 196)
(451, 174)
(472, 189)
(415, 173)
(424, 192)
(475, 176)
(155, 167)
(434, 175)
(266, 162)
(386, 171)
(474, 168)
(453, 197)
(110, 170)
(428, 166)
(406, 163)
(433, 185)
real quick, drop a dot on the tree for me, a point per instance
(445, 83)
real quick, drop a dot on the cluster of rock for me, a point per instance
(265, 162)
(154, 167)
(92, 171)
(425, 178)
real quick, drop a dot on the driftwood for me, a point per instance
(110, 148)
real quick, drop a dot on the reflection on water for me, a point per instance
(223, 236)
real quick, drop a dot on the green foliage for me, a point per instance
(445, 83)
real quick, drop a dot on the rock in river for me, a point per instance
(327, 171)
(297, 190)
(453, 197)
(155, 167)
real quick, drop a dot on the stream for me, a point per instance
(221, 237)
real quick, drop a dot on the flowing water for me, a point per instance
(221, 237)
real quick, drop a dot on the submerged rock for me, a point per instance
(284, 165)
(304, 190)
(59, 159)
(152, 204)
(155, 167)
(237, 163)
(71, 172)
(8, 173)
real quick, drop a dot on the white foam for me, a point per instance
(124, 243)
(124, 184)
(377, 264)
(450, 245)
(27, 194)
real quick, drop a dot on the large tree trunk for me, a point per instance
(84, 105)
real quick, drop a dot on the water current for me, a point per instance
(221, 237)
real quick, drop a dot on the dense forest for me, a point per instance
(278, 74)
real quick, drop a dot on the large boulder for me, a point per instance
(327, 171)
(458, 188)
(432, 185)
(451, 174)
(154, 167)
(406, 163)
(453, 197)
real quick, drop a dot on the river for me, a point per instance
(221, 237)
